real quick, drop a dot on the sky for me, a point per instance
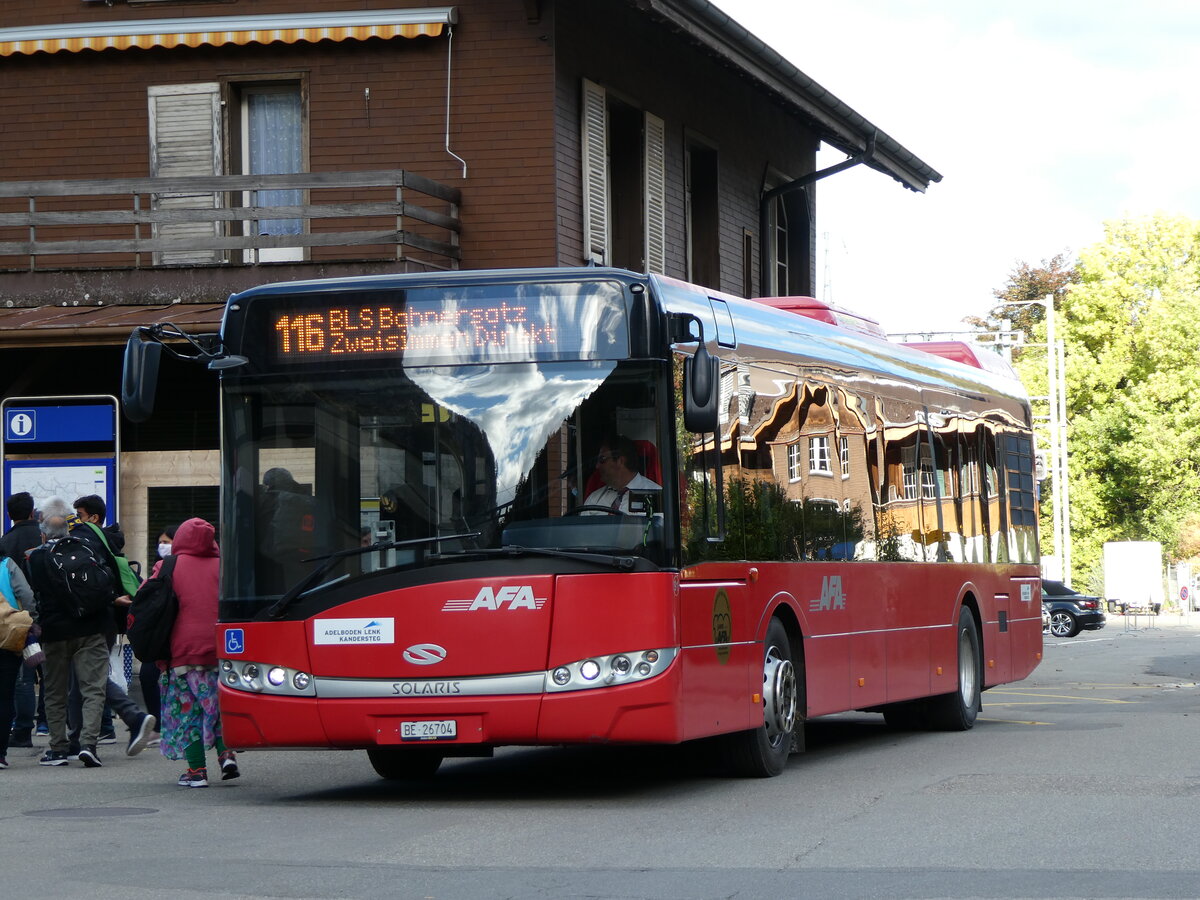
(1046, 118)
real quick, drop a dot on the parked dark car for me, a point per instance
(1071, 611)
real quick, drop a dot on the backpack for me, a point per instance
(87, 578)
(6, 590)
(152, 616)
(129, 579)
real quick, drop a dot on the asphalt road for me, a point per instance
(1081, 781)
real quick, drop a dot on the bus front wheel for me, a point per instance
(763, 752)
(398, 764)
(957, 711)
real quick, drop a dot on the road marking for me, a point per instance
(1012, 721)
(1059, 696)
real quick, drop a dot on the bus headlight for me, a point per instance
(617, 669)
(265, 678)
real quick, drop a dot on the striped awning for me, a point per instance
(217, 31)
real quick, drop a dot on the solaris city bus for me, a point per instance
(409, 566)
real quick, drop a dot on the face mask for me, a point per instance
(164, 549)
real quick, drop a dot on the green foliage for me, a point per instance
(763, 524)
(1131, 325)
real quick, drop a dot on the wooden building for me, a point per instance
(161, 154)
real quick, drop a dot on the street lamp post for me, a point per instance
(1057, 401)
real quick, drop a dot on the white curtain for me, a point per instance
(274, 148)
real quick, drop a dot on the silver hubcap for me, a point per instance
(779, 696)
(1060, 624)
(966, 667)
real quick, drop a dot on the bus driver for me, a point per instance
(617, 465)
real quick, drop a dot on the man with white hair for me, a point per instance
(68, 640)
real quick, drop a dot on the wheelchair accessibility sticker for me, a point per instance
(235, 640)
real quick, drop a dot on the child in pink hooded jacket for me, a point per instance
(191, 718)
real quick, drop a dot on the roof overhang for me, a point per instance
(75, 326)
(836, 123)
(219, 30)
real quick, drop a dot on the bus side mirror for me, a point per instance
(139, 377)
(701, 391)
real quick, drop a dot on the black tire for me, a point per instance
(404, 763)
(1063, 624)
(763, 752)
(957, 711)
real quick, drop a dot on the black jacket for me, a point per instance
(55, 604)
(21, 537)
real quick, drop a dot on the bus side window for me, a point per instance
(702, 500)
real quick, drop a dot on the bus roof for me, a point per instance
(825, 312)
(967, 354)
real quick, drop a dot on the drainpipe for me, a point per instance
(764, 203)
(449, 69)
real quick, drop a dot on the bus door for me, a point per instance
(722, 666)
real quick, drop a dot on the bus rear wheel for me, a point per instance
(957, 711)
(763, 752)
(399, 764)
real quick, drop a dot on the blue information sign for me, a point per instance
(60, 424)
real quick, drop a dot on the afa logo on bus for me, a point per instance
(509, 597)
(831, 597)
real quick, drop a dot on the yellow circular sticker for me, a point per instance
(722, 626)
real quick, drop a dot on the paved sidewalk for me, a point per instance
(1168, 619)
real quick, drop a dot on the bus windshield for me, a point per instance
(454, 463)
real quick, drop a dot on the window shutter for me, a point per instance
(656, 194)
(595, 173)
(185, 139)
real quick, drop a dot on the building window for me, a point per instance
(747, 264)
(844, 454)
(970, 473)
(818, 456)
(793, 458)
(702, 216)
(928, 478)
(270, 141)
(782, 262)
(786, 244)
(909, 462)
(624, 183)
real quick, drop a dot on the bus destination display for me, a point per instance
(437, 329)
(363, 329)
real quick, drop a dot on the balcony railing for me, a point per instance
(223, 221)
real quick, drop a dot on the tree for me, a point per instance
(1188, 543)
(1131, 323)
(1054, 276)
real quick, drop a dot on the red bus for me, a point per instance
(420, 559)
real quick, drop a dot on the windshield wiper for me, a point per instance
(331, 559)
(515, 550)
